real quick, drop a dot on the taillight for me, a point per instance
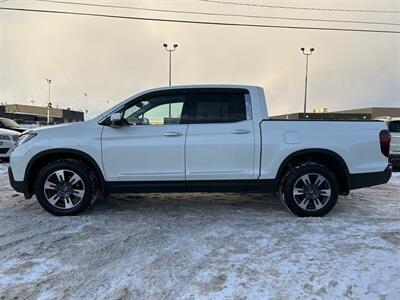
(384, 138)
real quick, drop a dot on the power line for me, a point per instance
(302, 8)
(196, 22)
(216, 14)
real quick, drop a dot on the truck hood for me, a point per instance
(49, 128)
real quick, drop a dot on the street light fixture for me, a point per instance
(48, 102)
(170, 52)
(170, 72)
(307, 54)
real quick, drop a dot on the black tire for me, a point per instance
(293, 177)
(87, 176)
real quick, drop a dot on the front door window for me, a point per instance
(162, 110)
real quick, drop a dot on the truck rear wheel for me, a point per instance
(66, 187)
(310, 190)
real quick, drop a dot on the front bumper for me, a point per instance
(19, 186)
(6, 148)
(395, 160)
(362, 180)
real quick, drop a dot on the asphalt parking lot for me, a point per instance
(191, 246)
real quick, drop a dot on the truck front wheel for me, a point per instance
(310, 190)
(66, 187)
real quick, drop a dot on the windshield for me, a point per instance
(9, 123)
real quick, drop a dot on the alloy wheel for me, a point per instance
(312, 192)
(64, 189)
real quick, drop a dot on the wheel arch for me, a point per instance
(42, 158)
(329, 158)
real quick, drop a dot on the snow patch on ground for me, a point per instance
(17, 271)
(3, 168)
(49, 295)
(30, 126)
(395, 178)
(202, 246)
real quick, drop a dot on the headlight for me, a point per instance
(23, 138)
(4, 137)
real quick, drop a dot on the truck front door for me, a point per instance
(150, 147)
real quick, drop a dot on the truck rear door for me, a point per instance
(220, 138)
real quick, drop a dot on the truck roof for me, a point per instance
(164, 88)
(194, 86)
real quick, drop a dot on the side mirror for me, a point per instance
(116, 119)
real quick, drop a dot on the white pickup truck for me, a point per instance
(208, 138)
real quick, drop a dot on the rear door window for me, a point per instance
(217, 107)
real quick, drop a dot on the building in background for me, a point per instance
(323, 116)
(29, 114)
(375, 112)
(320, 110)
(368, 113)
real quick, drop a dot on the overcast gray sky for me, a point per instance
(111, 59)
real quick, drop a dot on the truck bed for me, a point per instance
(356, 142)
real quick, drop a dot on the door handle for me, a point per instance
(172, 133)
(241, 131)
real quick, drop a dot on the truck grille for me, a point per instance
(4, 150)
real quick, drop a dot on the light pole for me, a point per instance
(170, 72)
(86, 109)
(170, 52)
(48, 103)
(307, 54)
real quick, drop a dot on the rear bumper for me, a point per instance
(395, 160)
(19, 186)
(362, 180)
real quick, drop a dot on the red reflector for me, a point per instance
(384, 138)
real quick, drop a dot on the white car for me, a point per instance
(8, 140)
(394, 129)
(209, 138)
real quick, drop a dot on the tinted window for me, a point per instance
(394, 126)
(217, 107)
(161, 110)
